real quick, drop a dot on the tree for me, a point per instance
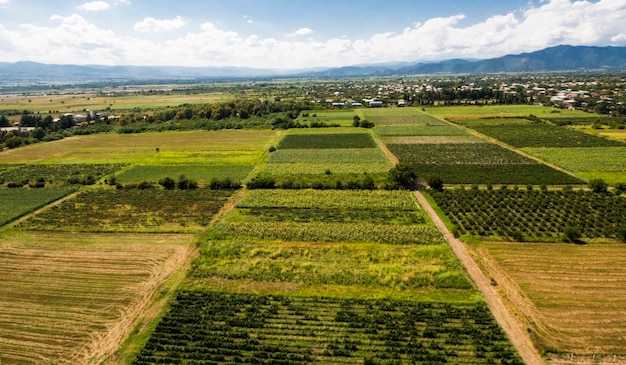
(13, 142)
(435, 182)
(38, 133)
(356, 121)
(598, 186)
(403, 175)
(4, 121)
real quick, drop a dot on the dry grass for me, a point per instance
(573, 297)
(72, 299)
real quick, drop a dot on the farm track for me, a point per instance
(394, 160)
(511, 325)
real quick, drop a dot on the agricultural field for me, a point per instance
(533, 215)
(132, 210)
(280, 220)
(572, 297)
(400, 117)
(141, 148)
(203, 174)
(77, 103)
(329, 118)
(328, 158)
(477, 163)
(544, 135)
(58, 174)
(502, 111)
(607, 163)
(72, 299)
(409, 130)
(17, 202)
(239, 328)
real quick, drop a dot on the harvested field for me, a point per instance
(573, 297)
(72, 299)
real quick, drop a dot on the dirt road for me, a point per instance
(513, 328)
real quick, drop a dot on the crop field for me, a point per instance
(409, 130)
(573, 297)
(77, 103)
(502, 111)
(347, 223)
(401, 117)
(432, 139)
(200, 173)
(607, 163)
(174, 147)
(342, 118)
(532, 215)
(17, 202)
(132, 210)
(57, 174)
(238, 328)
(544, 135)
(331, 140)
(367, 265)
(322, 161)
(477, 163)
(71, 299)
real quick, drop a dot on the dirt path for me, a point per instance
(513, 328)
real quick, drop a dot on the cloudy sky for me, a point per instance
(289, 34)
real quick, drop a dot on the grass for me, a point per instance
(69, 299)
(573, 296)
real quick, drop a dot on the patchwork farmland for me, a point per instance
(146, 249)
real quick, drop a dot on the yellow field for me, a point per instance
(572, 297)
(72, 299)
(174, 147)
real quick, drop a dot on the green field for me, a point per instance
(322, 141)
(605, 163)
(436, 130)
(58, 174)
(544, 135)
(200, 173)
(17, 202)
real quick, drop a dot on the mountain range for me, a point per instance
(559, 58)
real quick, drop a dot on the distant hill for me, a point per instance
(559, 58)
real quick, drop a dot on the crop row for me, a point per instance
(521, 214)
(544, 135)
(366, 265)
(130, 210)
(200, 173)
(58, 173)
(322, 141)
(221, 328)
(328, 156)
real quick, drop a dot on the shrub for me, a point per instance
(571, 234)
(598, 186)
(435, 182)
(168, 183)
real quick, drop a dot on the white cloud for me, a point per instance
(74, 39)
(302, 32)
(4, 2)
(160, 25)
(95, 6)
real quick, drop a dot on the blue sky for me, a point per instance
(291, 34)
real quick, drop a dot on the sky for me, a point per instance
(297, 34)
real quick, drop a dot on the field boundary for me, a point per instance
(510, 324)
